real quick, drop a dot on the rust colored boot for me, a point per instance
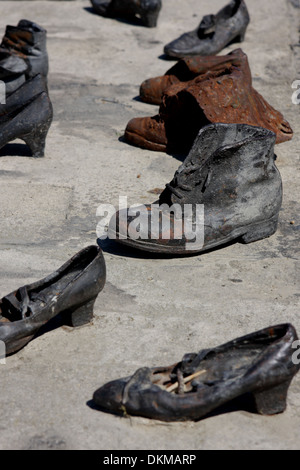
(186, 69)
(225, 96)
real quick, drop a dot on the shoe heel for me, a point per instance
(150, 19)
(81, 315)
(261, 230)
(36, 140)
(240, 37)
(273, 400)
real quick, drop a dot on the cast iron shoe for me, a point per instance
(23, 54)
(185, 70)
(12, 71)
(259, 364)
(146, 10)
(27, 115)
(214, 33)
(227, 188)
(24, 94)
(223, 95)
(70, 291)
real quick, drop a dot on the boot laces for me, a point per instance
(179, 184)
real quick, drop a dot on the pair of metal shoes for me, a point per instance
(23, 54)
(261, 364)
(199, 91)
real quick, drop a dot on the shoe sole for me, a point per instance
(253, 233)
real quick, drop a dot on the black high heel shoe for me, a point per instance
(30, 121)
(260, 364)
(146, 10)
(71, 291)
(214, 32)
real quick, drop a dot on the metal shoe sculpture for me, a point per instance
(225, 96)
(259, 364)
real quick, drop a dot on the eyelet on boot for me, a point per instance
(259, 364)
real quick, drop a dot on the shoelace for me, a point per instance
(178, 183)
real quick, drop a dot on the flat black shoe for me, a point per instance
(70, 291)
(29, 121)
(214, 32)
(260, 364)
(146, 10)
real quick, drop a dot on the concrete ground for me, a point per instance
(152, 310)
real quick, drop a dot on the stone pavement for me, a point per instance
(152, 310)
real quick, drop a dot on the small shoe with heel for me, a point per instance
(258, 366)
(70, 291)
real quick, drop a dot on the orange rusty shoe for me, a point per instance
(225, 96)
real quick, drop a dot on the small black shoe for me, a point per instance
(259, 364)
(214, 32)
(71, 291)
